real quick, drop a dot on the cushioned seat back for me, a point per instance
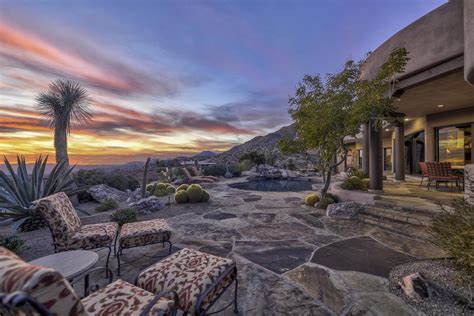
(44, 285)
(58, 211)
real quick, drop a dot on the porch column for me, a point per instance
(365, 148)
(375, 157)
(399, 152)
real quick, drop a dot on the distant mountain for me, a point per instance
(206, 154)
(260, 144)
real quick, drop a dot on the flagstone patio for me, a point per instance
(291, 258)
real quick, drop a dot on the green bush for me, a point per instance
(127, 215)
(254, 157)
(365, 183)
(220, 170)
(194, 192)
(107, 204)
(453, 231)
(325, 201)
(182, 187)
(181, 196)
(115, 179)
(246, 165)
(205, 196)
(311, 199)
(353, 183)
(12, 242)
(354, 172)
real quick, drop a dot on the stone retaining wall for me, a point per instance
(469, 183)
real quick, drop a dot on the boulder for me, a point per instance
(416, 287)
(147, 205)
(346, 210)
(102, 192)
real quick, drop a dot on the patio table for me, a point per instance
(71, 264)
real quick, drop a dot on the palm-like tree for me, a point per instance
(63, 103)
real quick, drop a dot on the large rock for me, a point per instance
(469, 183)
(346, 210)
(417, 287)
(102, 192)
(147, 205)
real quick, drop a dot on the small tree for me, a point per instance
(327, 110)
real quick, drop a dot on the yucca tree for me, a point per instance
(18, 189)
(62, 104)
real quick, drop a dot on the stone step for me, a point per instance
(397, 215)
(425, 210)
(406, 229)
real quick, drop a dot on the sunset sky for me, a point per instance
(168, 78)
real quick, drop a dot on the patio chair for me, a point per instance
(441, 172)
(196, 173)
(191, 179)
(26, 289)
(66, 229)
(198, 278)
(424, 171)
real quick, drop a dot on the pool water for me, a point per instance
(274, 185)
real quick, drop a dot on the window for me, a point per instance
(455, 144)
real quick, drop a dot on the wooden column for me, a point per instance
(399, 152)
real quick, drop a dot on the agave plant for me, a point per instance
(18, 189)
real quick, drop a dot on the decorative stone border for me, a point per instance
(352, 195)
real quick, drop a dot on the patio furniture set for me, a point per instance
(186, 282)
(441, 172)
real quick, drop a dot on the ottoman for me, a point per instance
(141, 234)
(198, 278)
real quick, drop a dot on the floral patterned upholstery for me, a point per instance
(143, 233)
(66, 228)
(52, 291)
(193, 275)
(123, 299)
(44, 285)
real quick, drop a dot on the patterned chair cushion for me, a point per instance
(144, 233)
(58, 211)
(91, 236)
(190, 273)
(45, 285)
(123, 299)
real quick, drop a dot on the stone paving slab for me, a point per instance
(362, 254)
(276, 256)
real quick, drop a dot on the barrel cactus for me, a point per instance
(182, 187)
(181, 197)
(170, 189)
(194, 193)
(160, 190)
(205, 196)
(311, 199)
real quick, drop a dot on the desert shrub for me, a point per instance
(114, 179)
(325, 201)
(127, 215)
(181, 196)
(107, 204)
(246, 165)
(311, 199)
(453, 231)
(194, 192)
(12, 242)
(354, 172)
(254, 157)
(182, 187)
(205, 196)
(353, 183)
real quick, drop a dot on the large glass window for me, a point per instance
(455, 144)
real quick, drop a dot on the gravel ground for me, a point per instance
(455, 298)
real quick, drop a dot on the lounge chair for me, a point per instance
(66, 229)
(441, 172)
(196, 173)
(424, 171)
(191, 179)
(26, 289)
